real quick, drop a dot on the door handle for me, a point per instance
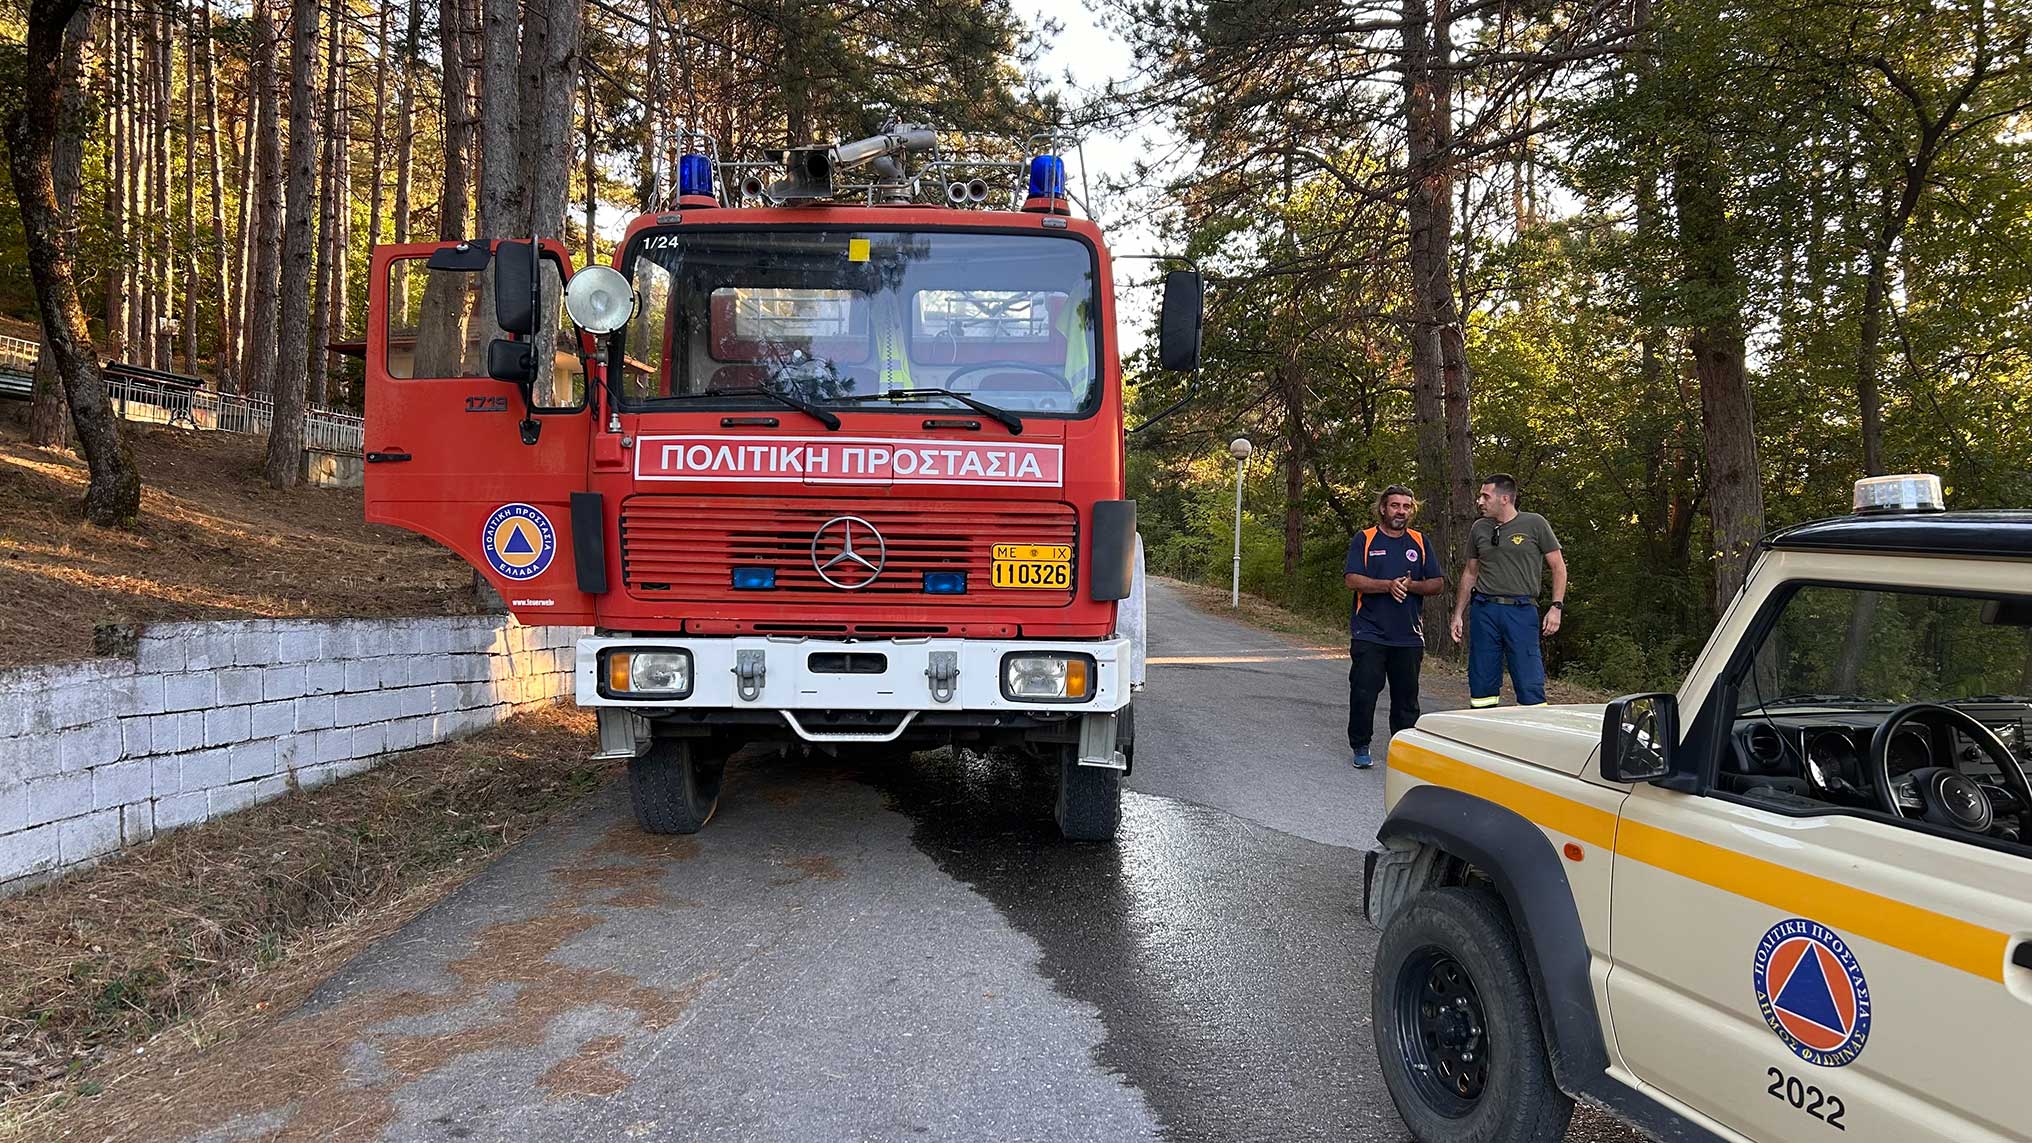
(387, 457)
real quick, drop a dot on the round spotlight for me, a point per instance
(599, 299)
(977, 190)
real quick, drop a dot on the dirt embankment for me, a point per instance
(213, 542)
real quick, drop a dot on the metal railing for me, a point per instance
(18, 355)
(167, 398)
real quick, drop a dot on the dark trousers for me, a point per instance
(1372, 664)
(1502, 634)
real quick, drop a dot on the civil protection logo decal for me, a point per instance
(1812, 993)
(519, 541)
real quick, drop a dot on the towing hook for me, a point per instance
(944, 673)
(751, 670)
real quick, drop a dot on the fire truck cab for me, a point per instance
(817, 463)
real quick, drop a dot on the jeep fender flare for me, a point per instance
(1519, 860)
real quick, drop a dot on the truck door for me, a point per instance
(446, 449)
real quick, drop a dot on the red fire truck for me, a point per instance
(818, 462)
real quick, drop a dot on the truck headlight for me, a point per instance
(646, 674)
(1051, 677)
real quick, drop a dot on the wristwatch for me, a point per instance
(1559, 603)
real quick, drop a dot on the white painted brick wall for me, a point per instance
(209, 718)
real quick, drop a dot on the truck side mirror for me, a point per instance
(517, 287)
(1179, 325)
(512, 361)
(1637, 736)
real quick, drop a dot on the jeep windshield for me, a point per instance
(856, 318)
(1854, 648)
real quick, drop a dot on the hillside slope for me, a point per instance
(213, 542)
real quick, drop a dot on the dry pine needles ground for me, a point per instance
(162, 934)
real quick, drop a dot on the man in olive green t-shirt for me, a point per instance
(1507, 553)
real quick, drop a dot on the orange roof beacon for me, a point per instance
(818, 461)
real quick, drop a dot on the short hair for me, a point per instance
(1384, 496)
(1504, 484)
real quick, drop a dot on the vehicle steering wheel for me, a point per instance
(1944, 795)
(1025, 366)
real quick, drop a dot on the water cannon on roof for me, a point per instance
(810, 174)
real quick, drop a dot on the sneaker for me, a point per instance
(1362, 760)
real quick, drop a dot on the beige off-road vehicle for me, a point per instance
(1792, 901)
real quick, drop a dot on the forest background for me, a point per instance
(1685, 268)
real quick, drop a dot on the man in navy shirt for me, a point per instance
(1391, 571)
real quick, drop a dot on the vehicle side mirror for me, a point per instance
(1638, 732)
(512, 361)
(518, 287)
(1179, 324)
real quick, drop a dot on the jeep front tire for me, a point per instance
(1456, 1025)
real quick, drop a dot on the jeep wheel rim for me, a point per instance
(1442, 1032)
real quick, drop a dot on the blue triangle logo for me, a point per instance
(518, 544)
(1807, 996)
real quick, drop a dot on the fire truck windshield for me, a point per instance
(834, 317)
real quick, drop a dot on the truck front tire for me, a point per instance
(1089, 799)
(1456, 1025)
(675, 785)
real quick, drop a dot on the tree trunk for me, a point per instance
(1728, 417)
(1869, 348)
(1291, 379)
(285, 434)
(1438, 355)
(244, 217)
(591, 168)
(163, 286)
(225, 354)
(649, 191)
(262, 308)
(190, 194)
(47, 413)
(549, 176)
(503, 206)
(461, 55)
(378, 167)
(327, 217)
(405, 145)
(118, 107)
(113, 493)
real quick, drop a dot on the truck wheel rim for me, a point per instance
(1442, 1032)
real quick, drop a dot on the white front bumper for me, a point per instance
(790, 684)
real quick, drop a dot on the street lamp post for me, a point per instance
(1241, 450)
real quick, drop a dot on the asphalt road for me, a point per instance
(896, 951)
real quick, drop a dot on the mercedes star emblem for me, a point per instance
(839, 561)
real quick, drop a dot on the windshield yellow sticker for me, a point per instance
(857, 250)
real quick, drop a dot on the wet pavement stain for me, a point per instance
(1227, 960)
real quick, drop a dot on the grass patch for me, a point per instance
(168, 934)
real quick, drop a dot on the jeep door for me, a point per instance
(1796, 970)
(447, 454)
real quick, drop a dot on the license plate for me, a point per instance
(1039, 567)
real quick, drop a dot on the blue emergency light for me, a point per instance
(945, 583)
(754, 579)
(695, 176)
(1047, 177)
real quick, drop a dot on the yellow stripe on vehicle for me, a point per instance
(1946, 940)
(1576, 820)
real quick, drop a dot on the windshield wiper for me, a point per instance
(1009, 420)
(831, 422)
